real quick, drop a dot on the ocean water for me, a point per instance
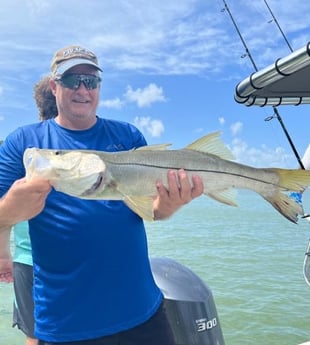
(250, 257)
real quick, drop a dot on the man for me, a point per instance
(93, 282)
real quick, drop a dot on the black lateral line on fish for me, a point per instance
(204, 171)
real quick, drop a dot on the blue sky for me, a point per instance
(170, 66)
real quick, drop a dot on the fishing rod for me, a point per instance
(278, 25)
(248, 53)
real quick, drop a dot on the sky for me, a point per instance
(169, 66)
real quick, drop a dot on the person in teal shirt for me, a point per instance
(22, 252)
(21, 271)
(23, 283)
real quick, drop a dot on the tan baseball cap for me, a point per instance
(71, 56)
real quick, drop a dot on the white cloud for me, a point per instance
(236, 128)
(199, 130)
(173, 37)
(263, 156)
(150, 126)
(37, 7)
(115, 103)
(221, 121)
(145, 97)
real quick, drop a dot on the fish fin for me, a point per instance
(227, 196)
(142, 205)
(296, 180)
(156, 147)
(212, 144)
(289, 208)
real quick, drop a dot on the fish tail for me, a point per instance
(289, 180)
(296, 180)
(289, 208)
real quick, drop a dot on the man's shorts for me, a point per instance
(155, 331)
(23, 308)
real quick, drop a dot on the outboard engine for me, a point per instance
(189, 304)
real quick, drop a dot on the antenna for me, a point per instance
(276, 113)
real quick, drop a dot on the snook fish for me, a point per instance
(131, 175)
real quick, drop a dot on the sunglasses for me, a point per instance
(73, 81)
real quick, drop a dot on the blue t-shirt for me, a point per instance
(92, 275)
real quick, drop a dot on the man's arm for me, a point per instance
(24, 200)
(180, 192)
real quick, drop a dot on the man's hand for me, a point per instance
(24, 200)
(180, 191)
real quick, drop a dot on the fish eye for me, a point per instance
(57, 153)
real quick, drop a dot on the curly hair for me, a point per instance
(45, 100)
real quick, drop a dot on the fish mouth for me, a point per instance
(95, 186)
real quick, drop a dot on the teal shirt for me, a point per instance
(22, 252)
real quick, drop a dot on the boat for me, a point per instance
(285, 82)
(188, 300)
